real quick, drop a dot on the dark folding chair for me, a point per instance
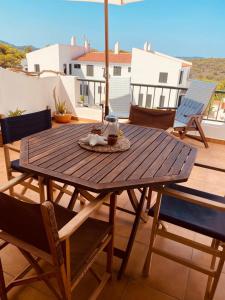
(68, 242)
(197, 211)
(14, 129)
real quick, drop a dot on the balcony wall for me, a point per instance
(32, 93)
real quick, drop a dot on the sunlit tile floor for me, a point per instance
(168, 280)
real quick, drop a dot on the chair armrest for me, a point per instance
(191, 198)
(209, 167)
(81, 217)
(14, 182)
(193, 116)
(12, 148)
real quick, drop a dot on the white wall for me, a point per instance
(145, 69)
(53, 57)
(31, 93)
(99, 70)
(47, 58)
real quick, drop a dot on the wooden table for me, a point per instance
(155, 158)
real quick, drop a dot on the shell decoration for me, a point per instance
(94, 139)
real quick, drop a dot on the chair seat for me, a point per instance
(15, 165)
(206, 221)
(85, 239)
(178, 124)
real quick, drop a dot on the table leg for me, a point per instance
(49, 189)
(133, 234)
(41, 188)
(73, 199)
(134, 202)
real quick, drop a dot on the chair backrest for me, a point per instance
(187, 108)
(23, 221)
(201, 91)
(16, 128)
(195, 101)
(156, 118)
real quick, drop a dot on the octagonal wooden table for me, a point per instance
(155, 158)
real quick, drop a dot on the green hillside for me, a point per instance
(212, 69)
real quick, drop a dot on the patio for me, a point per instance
(168, 279)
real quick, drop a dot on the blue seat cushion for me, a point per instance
(203, 220)
(15, 165)
(188, 107)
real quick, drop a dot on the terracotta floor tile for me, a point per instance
(197, 284)
(137, 290)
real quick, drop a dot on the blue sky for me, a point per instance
(175, 27)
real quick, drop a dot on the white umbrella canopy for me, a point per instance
(106, 3)
(114, 2)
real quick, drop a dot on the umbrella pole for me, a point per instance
(106, 8)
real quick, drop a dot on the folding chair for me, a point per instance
(15, 128)
(189, 114)
(67, 242)
(197, 211)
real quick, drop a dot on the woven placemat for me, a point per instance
(122, 144)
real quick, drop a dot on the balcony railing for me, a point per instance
(216, 109)
(151, 96)
(92, 92)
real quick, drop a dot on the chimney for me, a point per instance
(149, 47)
(117, 48)
(87, 46)
(73, 41)
(146, 45)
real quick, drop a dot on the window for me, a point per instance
(161, 101)
(65, 69)
(37, 68)
(117, 71)
(70, 69)
(90, 70)
(181, 77)
(84, 90)
(148, 101)
(140, 100)
(163, 77)
(129, 69)
(77, 66)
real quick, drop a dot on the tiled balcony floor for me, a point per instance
(168, 280)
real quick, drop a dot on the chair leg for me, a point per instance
(61, 193)
(24, 190)
(215, 245)
(62, 283)
(148, 259)
(3, 294)
(201, 132)
(182, 134)
(149, 198)
(110, 247)
(211, 294)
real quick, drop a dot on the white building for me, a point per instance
(153, 74)
(56, 57)
(90, 68)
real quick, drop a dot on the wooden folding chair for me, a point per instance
(189, 114)
(15, 128)
(197, 211)
(68, 242)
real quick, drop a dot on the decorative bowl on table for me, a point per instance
(96, 143)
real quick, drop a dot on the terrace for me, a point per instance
(168, 280)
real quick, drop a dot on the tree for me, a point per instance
(10, 57)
